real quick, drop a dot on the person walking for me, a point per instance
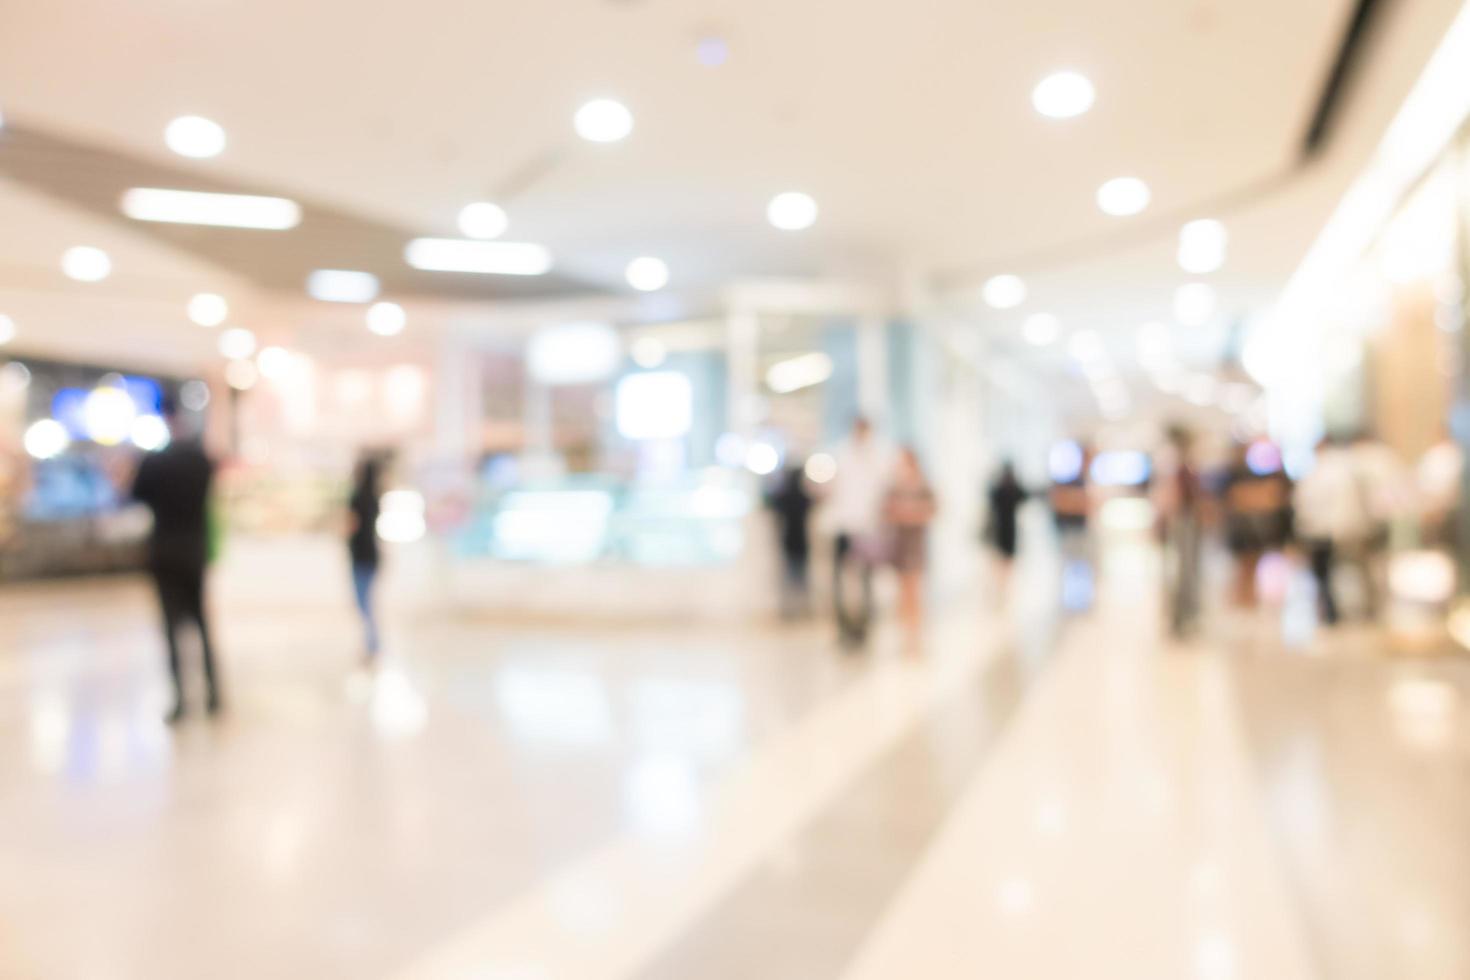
(908, 509)
(1005, 497)
(792, 503)
(362, 544)
(855, 506)
(174, 484)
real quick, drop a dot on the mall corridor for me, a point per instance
(1046, 795)
(735, 490)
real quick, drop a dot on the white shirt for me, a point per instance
(864, 472)
(1331, 501)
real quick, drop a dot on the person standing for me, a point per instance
(1332, 519)
(1005, 496)
(1179, 503)
(1257, 502)
(362, 544)
(908, 509)
(174, 484)
(792, 504)
(855, 505)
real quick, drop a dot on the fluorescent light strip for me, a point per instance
(803, 371)
(219, 210)
(342, 286)
(485, 258)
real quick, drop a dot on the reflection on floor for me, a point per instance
(539, 803)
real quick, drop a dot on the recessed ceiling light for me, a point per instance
(342, 286)
(792, 211)
(274, 363)
(1123, 196)
(1063, 95)
(86, 264)
(386, 319)
(7, 329)
(712, 51)
(796, 373)
(208, 309)
(489, 258)
(1041, 329)
(195, 136)
(1194, 303)
(647, 274)
(217, 210)
(1202, 246)
(603, 121)
(483, 220)
(1005, 292)
(46, 438)
(236, 343)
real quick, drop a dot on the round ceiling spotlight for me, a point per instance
(483, 220)
(274, 363)
(386, 319)
(792, 211)
(1123, 196)
(1041, 329)
(195, 137)
(208, 309)
(603, 121)
(647, 274)
(46, 439)
(1005, 292)
(86, 264)
(1202, 246)
(237, 343)
(1063, 95)
(7, 329)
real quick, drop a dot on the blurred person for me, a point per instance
(908, 508)
(1256, 496)
(174, 484)
(1179, 507)
(1387, 488)
(362, 543)
(1439, 479)
(1005, 497)
(855, 503)
(792, 503)
(1332, 519)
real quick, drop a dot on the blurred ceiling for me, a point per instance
(910, 124)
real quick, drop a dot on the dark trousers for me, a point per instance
(1323, 557)
(795, 588)
(852, 623)
(181, 596)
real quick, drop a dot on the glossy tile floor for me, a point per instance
(1036, 797)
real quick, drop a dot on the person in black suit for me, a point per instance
(174, 484)
(362, 543)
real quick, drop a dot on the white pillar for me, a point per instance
(872, 368)
(742, 352)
